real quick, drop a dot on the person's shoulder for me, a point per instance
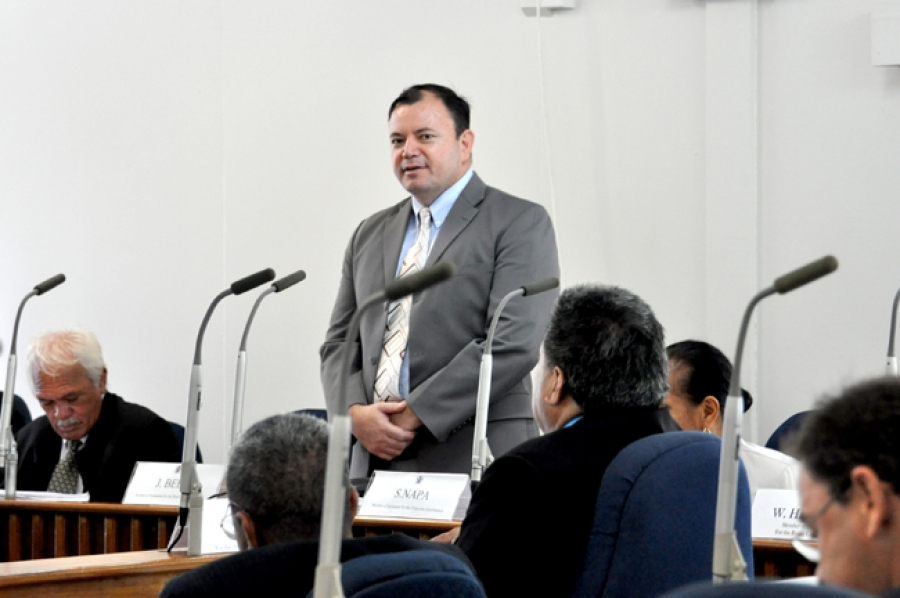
(379, 217)
(393, 543)
(131, 414)
(32, 430)
(500, 199)
(274, 570)
(531, 457)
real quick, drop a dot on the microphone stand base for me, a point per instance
(728, 562)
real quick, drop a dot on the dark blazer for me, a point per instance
(286, 569)
(498, 243)
(123, 434)
(527, 527)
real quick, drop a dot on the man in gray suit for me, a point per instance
(416, 413)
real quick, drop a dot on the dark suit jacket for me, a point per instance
(527, 527)
(286, 569)
(123, 434)
(498, 243)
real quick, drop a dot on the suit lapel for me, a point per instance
(461, 214)
(392, 239)
(47, 456)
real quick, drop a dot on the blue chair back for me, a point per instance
(786, 430)
(320, 413)
(178, 430)
(762, 590)
(410, 574)
(655, 518)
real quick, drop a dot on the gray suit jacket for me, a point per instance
(498, 243)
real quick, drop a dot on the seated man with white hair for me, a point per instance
(89, 439)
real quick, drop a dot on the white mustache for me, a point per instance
(68, 422)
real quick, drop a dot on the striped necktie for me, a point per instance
(396, 332)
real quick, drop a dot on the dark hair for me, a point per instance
(610, 347)
(705, 372)
(861, 426)
(456, 105)
(276, 474)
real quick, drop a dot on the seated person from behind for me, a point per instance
(276, 483)
(20, 415)
(89, 439)
(849, 450)
(602, 382)
(699, 379)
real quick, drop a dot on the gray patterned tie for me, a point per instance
(65, 477)
(393, 348)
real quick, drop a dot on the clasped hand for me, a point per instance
(385, 428)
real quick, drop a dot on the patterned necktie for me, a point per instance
(65, 477)
(393, 348)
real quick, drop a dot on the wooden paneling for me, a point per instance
(37, 530)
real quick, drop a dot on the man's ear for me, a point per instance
(249, 531)
(555, 396)
(466, 142)
(871, 499)
(102, 385)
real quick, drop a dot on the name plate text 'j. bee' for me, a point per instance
(159, 483)
(442, 496)
(776, 514)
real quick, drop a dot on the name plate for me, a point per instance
(776, 514)
(159, 483)
(442, 496)
(213, 538)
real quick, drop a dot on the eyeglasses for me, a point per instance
(227, 523)
(812, 521)
(808, 550)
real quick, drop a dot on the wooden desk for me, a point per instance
(132, 574)
(771, 558)
(37, 530)
(424, 529)
(777, 558)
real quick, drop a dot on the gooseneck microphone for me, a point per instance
(240, 381)
(728, 562)
(191, 505)
(328, 570)
(481, 451)
(891, 356)
(9, 457)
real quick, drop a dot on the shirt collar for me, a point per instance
(573, 421)
(440, 207)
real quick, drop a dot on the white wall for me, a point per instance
(156, 151)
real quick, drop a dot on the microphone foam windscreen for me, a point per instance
(251, 282)
(419, 281)
(806, 274)
(540, 286)
(50, 283)
(288, 281)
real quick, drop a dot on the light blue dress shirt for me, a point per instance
(439, 210)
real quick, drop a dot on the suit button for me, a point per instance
(374, 361)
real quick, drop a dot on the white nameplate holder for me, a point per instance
(213, 539)
(158, 483)
(397, 494)
(776, 514)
